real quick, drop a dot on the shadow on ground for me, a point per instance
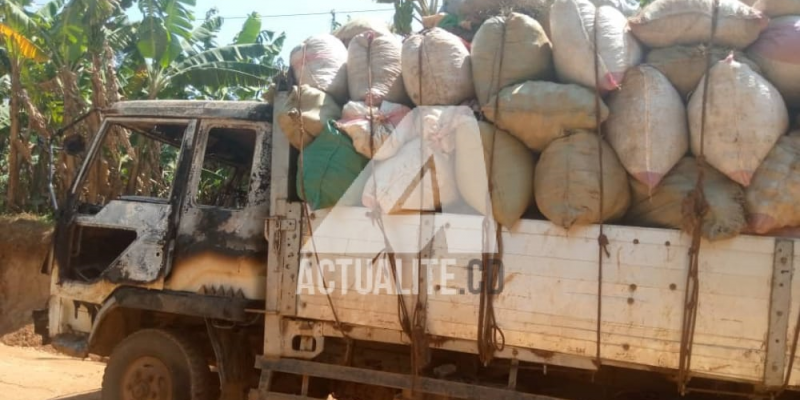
(93, 395)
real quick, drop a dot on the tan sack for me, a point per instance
(512, 166)
(745, 117)
(306, 109)
(357, 26)
(395, 186)
(685, 66)
(777, 51)
(665, 23)
(509, 50)
(567, 182)
(663, 207)
(572, 23)
(321, 62)
(778, 8)
(445, 76)
(772, 198)
(373, 69)
(539, 112)
(355, 122)
(647, 125)
(437, 125)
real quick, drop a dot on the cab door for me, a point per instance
(219, 246)
(125, 234)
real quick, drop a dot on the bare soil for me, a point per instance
(28, 373)
(24, 241)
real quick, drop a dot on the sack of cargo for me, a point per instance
(512, 167)
(328, 168)
(394, 185)
(567, 182)
(772, 197)
(647, 125)
(437, 69)
(777, 52)
(373, 69)
(304, 114)
(509, 50)
(665, 23)
(745, 117)
(321, 62)
(685, 66)
(572, 23)
(357, 118)
(539, 112)
(778, 8)
(628, 8)
(663, 206)
(357, 26)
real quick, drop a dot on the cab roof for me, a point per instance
(242, 110)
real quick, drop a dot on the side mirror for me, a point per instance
(74, 145)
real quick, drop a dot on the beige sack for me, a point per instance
(445, 76)
(685, 66)
(509, 50)
(573, 23)
(647, 125)
(305, 108)
(772, 198)
(356, 119)
(511, 172)
(373, 69)
(395, 186)
(357, 26)
(663, 207)
(777, 51)
(665, 23)
(567, 182)
(321, 62)
(539, 112)
(778, 8)
(745, 117)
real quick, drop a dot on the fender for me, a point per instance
(129, 300)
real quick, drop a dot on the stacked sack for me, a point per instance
(527, 92)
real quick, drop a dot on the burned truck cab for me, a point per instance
(179, 241)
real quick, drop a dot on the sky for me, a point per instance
(297, 28)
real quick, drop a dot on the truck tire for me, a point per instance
(156, 364)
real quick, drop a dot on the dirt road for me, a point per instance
(32, 374)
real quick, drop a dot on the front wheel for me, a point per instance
(154, 364)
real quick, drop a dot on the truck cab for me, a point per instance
(184, 249)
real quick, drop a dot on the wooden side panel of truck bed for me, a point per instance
(550, 294)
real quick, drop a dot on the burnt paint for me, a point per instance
(181, 303)
(210, 237)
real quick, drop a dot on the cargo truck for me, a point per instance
(218, 282)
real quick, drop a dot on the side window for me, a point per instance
(136, 160)
(227, 163)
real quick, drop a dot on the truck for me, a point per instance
(219, 282)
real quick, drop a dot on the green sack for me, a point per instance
(329, 169)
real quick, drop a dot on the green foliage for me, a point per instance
(165, 55)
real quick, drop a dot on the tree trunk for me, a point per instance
(121, 136)
(13, 147)
(73, 108)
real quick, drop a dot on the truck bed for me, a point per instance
(548, 306)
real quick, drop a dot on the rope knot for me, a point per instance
(602, 241)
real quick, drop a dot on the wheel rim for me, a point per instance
(147, 378)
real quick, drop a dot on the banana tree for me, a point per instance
(19, 49)
(406, 11)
